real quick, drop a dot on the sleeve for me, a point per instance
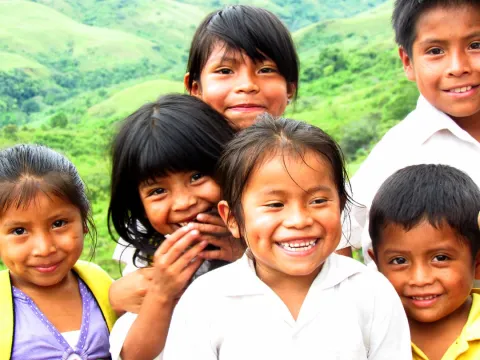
(119, 334)
(389, 332)
(189, 336)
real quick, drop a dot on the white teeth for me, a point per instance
(300, 246)
(424, 297)
(462, 89)
(183, 223)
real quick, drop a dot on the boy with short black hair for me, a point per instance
(439, 45)
(426, 241)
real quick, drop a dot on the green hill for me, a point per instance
(91, 63)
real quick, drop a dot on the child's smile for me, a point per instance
(174, 200)
(431, 269)
(292, 214)
(445, 60)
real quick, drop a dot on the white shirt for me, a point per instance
(230, 314)
(119, 334)
(425, 136)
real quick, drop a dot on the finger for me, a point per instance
(211, 229)
(220, 254)
(191, 269)
(210, 219)
(186, 258)
(177, 249)
(171, 239)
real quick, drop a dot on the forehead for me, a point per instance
(221, 51)
(292, 170)
(444, 23)
(39, 204)
(422, 238)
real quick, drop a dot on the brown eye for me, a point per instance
(19, 231)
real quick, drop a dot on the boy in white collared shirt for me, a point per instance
(440, 49)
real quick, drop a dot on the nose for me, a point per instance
(183, 200)
(247, 82)
(44, 245)
(298, 218)
(421, 275)
(459, 64)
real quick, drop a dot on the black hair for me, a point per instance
(255, 31)
(27, 169)
(406, 14)
(176, 133)
(439, 194)
(268, 135)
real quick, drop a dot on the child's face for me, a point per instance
(431, 269)
(292, 217)
(241, 89)
(445, 61)
(172, 201)
(40, 243)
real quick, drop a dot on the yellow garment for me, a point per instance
(467, 345)
(97, 280)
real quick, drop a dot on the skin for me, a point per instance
(171, 204)
(445, 56)
(289, 200)
(240, 89)
(423, 262)
(39, 243)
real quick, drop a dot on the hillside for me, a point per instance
(91, 63)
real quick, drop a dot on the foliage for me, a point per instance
(107, 58)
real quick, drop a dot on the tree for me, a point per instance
(30, 106)
(11, 131)
(59, 120)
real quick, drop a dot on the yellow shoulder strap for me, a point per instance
(6, 311)
(98, 281)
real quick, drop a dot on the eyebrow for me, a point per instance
(312, 190)
(432, 40)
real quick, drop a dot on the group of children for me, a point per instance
(216, 185)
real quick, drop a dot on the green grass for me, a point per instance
(37, 31)
(128, 100)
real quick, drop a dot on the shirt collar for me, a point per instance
(246, 282)
(472, 327)
(429, 121)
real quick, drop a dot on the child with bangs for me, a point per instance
(290, 296)
(243, 63)
(52, 305)
(163, 159)
(426, 240)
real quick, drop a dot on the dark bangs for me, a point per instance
(255, 31)
(177, 133)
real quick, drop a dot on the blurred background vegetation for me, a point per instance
(71, 69)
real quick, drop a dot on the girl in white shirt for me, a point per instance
(289, 297)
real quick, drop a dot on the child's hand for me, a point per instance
(213, 230)
(128, 292)
(175, 262)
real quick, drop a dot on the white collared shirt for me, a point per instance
(425, 136)
(230, 314)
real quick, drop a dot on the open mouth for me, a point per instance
(298, 246)
(461, 90)
(424, 298)
(211, 211)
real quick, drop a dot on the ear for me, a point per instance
(85, 229)
(477, 266)
(195, 89)
(232, 225)
(407, 64)
(291, 90)
(372, 255)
